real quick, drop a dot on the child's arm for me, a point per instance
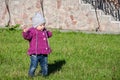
(27, 34)
(49, 34)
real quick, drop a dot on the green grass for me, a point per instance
(75, 56)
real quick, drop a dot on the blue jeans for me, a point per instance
(42, 60)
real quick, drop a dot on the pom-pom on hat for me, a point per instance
(37, 20)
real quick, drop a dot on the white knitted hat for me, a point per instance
(37, 20)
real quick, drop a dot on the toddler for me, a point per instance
(38, 45)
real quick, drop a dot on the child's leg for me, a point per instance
(33, 65)
(43, 59)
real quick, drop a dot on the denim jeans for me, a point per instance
(43, 62)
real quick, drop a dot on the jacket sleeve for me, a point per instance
(49, 34)
(27, 35)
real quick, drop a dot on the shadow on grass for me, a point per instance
(56, 66)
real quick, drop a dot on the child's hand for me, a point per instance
(25, 28)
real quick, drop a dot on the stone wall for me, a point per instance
(61, 14)
(18, 11)
(65, 14)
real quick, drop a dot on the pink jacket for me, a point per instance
(38, 41)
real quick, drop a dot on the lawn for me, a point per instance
(75, 56)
